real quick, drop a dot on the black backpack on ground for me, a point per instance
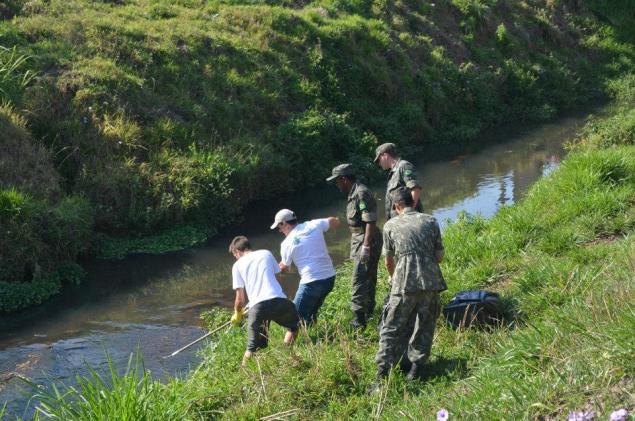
(480, 308)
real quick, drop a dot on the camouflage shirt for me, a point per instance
(414, 239)
(401, 175)
(361, 207)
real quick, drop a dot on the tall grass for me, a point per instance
(131, 395)
(13, 75)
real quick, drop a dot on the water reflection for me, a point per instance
(153, 302)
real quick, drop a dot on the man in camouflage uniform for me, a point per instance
(361, 215)
(413, 250)
(402, 174)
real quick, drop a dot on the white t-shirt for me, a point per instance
(305, 247)
(256, 272)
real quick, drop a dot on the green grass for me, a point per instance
(160, 112)
(563, 260)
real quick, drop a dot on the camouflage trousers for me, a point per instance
(364, 278)
(407, 330)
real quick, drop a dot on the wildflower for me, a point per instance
(443, 415)
(581, 416)
(619, 415)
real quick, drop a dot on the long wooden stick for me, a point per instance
(224, 325)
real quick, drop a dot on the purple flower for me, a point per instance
(443, 415)
(581, 416)
(619, 415)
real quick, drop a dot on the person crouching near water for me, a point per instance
(305, 247)
(254, 276)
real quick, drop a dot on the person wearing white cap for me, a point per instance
(305, 247)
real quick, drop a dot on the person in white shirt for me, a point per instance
(254, 277)
(304, 246)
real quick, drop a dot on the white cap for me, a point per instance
(283, 215)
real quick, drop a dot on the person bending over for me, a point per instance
(305, 247)
(254, 277)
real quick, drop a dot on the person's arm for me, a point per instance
(286, 250)
(439, 250)
(409, 176)
(390, 264)
(240, 300)
(368, 207)
(369, 234)
(388, 251)
(416, 194)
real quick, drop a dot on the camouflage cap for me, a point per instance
(340, 171)
(391, 148)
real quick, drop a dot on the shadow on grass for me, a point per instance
(450, 368)
(440, 369)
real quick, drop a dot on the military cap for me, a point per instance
(391, 148)
(340, 171)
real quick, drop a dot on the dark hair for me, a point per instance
(240, 243)
(293, 222)
(402, 196)
(350, 177)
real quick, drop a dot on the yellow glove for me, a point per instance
(237, 316)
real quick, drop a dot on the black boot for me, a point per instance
(405, 365)
(359, 320)
(415, 372)
(379, 382)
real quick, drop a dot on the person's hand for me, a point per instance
(237, 317)
(364, 255)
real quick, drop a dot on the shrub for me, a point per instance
(15, 296)
(37, 236)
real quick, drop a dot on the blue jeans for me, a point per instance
(310, 298)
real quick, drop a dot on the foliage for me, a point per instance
(38, 236)
(13, 77)
(15, 296)
(169, 240)
(617, 130)
(23, 163)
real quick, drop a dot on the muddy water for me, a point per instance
(152, 303)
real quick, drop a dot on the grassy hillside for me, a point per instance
(563, 260)
(161, 113)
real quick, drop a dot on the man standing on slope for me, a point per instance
(305, 247)
(402, 174)
(361, 216)
(413, 250)
(254, 277)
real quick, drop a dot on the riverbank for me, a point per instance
(146, 117)
(563, 260)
